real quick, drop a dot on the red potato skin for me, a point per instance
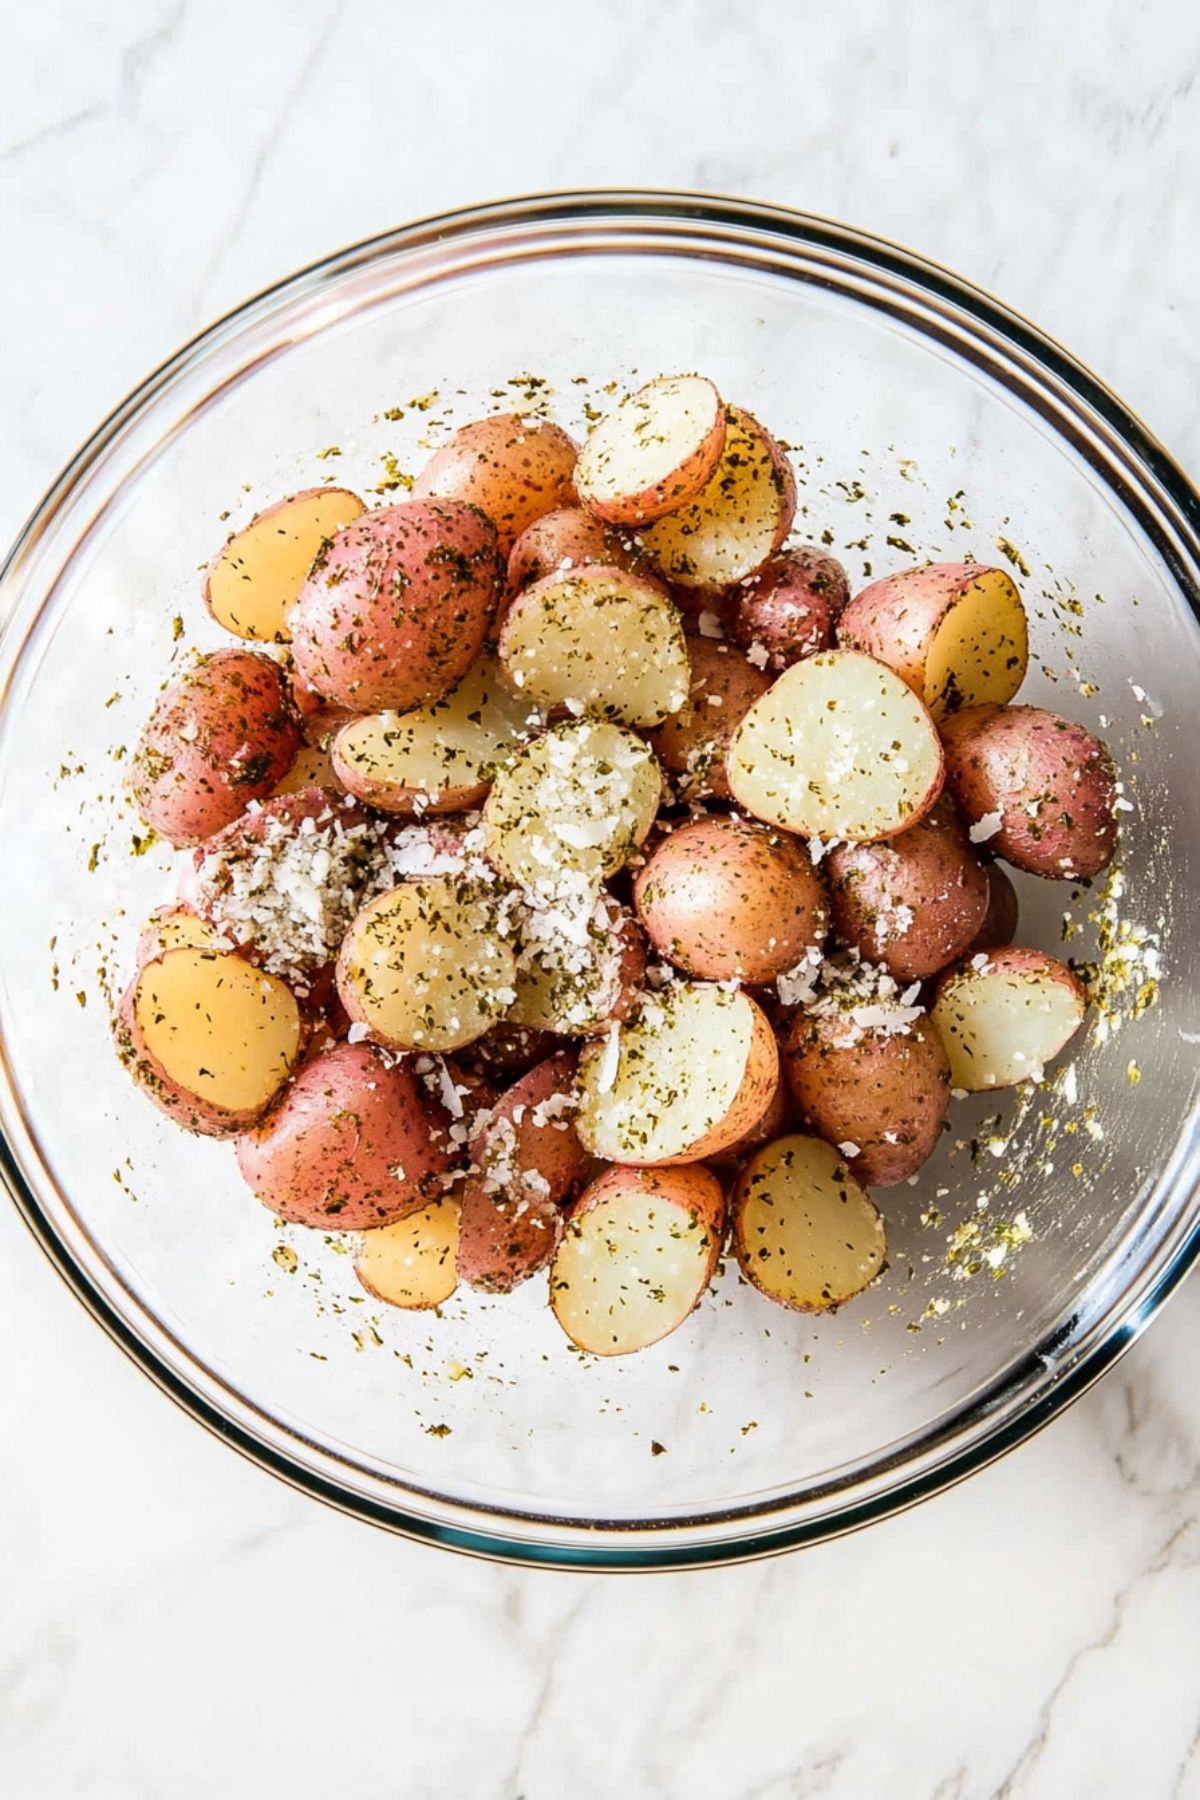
(894, 619)
(931, 870)
(398, 607)
(1051, 781)
(726, 900)
(506, 1235)
(513, 468)
(774, 1123)
(221, 734)
(717, 669)
(191, 1111)
(858, 1092)
(790, 607)
(568, 537)
(1000, 922)
(507, 1050)
(327, 1153)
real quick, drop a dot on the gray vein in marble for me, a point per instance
(511, 1786)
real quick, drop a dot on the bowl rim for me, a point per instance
(657, 1548)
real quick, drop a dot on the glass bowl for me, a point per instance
(925, 420)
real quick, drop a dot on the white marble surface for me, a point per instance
(172, 1622)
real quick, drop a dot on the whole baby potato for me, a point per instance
(354, 1142)
(397, 607)
(879, 1097)
(1038, 790)
(728, 900)
(913, 903)
(692, 742)
(513, 468)
(221, 735)
(568, 538)
(787, 611)
(1002, 917)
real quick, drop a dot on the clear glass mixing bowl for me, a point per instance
(921, 413)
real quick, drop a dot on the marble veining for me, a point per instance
(174, 1623)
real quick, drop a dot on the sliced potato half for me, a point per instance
(653, 452)
(839, 748)
(210, 1037)
(804, 1232)
(956, 632)
(1004, 1014)
(412, 1263)
(639, 1250)
(423, 968)
(695, 1071)
(256, 576)
(597, 640)
(737, 521)
(438, 758)
(576, 802)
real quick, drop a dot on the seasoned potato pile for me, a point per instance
(579, 877)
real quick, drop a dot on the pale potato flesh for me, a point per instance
(1002, 1025)
(412, 1263)
(839, 748)
(676, 1086)
(737, 521)
(654, 451)
(313, 767)
(257, 576)
(804, 1232)
(979, 652)
(423, 968)
(217, 1027)
(178, 928)
(576, 802)
(631, 1268)
(599, 641)
(439, 755)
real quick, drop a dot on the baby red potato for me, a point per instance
(255, 577)
(739, 518)
(955, 632)
(804, 1233)
(1004, 1014)
(397, 606)
(221, 734)
(513, 468)
(654, 452)
(411, 1263)
(356, 1141)
(788, 610)
(692, 743)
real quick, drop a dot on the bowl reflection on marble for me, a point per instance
(1041, 1236)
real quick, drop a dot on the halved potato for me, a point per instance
(576, 802)
(597, 640)
(256, 576)
(438, 758)
(1004, 1014)
(737, 521)
(423, 968)
(804, 1233)
(694, 1072)
(653, 452)
(209, 1037)
(412, 1263)
(177, 927)
(839, 748)
(640, 1248)
(580, 964)
(955, 632)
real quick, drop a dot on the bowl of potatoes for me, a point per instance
(600, 894)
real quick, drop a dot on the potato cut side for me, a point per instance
(653, 452)
(177, 928)
(218, 1027)
(737, 521)
(1004, 1015)
(423, 969)
(980, 651)
(576, 803)
(580, 963)
(639, 1251)
(313, 768)
(804, 1232)
(412, 1263)
(257, 576)
(696, 1070)
(438, 758)
(839, 748)
(597, 640)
